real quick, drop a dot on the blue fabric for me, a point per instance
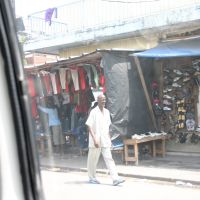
(189, 47)
(117, 142)
(52, 115)
(81, 133)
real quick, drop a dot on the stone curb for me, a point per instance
(164, 179)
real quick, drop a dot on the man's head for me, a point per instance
(101, 101)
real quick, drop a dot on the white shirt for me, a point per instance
(99, 122)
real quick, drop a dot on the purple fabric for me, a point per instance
(48, 14)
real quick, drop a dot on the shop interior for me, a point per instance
(72, 88)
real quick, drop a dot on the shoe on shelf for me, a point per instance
(166, 102)
(176, 85)
(166, 108)
(186, 79)
(176, 71)
(167, 96)
(176, 79)
(119, 181)
(94, 181)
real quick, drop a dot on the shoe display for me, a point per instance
(176, 85)
(117, 182)
(178, 101)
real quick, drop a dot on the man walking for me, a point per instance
(98, 124)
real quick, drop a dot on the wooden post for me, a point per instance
(163, 147)
(126, 153)
(154, 148)
(145, 91)
(161, 86)
(136, 153)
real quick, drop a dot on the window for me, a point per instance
(57, 57)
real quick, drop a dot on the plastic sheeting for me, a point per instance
(189, 47)
(125, 96)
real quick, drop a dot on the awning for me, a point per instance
(182, 48)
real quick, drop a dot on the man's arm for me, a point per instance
(91, 132)
(45, 110)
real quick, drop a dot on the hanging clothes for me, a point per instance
(56, 100)
(49, 13)
(68, 79)
(53, 81)
(77, 98)
(62, 73)
(34, 108)
(96, 78)
(102, 80)
(58, 85)
(31, 86)
(75, 78)
(101, 77)
(47, 84)
(66, 98)
(82, 72)
(38, 84)
(87, 69)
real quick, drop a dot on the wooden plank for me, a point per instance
(145, 139)
(145, 91)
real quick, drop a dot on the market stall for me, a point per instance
(173, 96)
(72, 85)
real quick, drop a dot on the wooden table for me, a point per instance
(135, 143)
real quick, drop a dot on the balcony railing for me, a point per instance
(82, 15)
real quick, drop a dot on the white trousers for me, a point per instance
(93, 158)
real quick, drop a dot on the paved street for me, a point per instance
(75, 186)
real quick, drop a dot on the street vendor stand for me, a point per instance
(178, 60)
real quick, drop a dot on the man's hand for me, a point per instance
(96, 144)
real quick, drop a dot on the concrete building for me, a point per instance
(84, 26)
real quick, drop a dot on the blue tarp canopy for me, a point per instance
(183, 48)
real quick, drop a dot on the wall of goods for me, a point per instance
(179, 108)
(70, 88)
